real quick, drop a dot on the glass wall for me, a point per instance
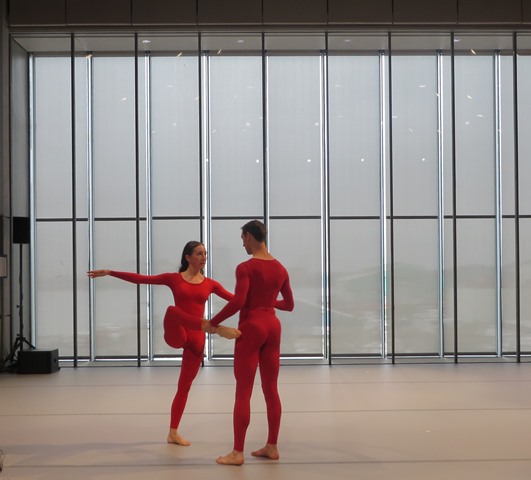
(386, 167)
(296, 159)
(358, 146)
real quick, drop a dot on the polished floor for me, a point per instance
(429, 422)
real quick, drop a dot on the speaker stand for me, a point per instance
(10, 362)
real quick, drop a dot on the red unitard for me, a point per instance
(258, 284)
(182, 325)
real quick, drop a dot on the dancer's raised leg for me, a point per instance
(177, 320)
(174, 333)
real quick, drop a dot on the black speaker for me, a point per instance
(21, 230)
(38, 361)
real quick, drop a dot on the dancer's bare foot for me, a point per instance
(175, 438)
(227, 332)
(267, 451)
(233, 458)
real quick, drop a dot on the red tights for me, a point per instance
(182, 330)
(259, 345)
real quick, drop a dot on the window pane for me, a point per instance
(448, 290)
(81, 138)
(294, 135)
(53, 138)
(302, 329)
(19, 136)
(83, 301)
(114, 136)
(54, 286)
(354, 135)
(236, 135)
(475, 163)
(476, 281)
(507, 134)
(174, 135)
(524, 140)
(355, 284)
(508, 292)
(416, 287)
(525, 279)
(115, 308)
(415, 134)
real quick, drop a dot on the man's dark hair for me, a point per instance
(257, 229)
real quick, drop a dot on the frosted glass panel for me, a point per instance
(81, 138)
(54, 286)
(415, 135)
(474, 84)
(114, 136)
(236, 135)
(507, 134)
(354, 135)
(355, 284)
(174, 136)
(447, 174)
(524, 141)
(115, 312)
(508, 290)
(82, 311)
(525, 279)
(294, 135)
(19, 136)
(53, 138)
(448, 289)
(476, 281)
(302, 329)
(416, 287)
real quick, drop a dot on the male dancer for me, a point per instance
(259, 281)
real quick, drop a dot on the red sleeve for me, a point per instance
(287, 302)
(161, 279)
(220, 291)
(238, 300)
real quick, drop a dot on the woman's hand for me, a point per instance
(98, 273)
(207, 327)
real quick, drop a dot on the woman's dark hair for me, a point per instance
(257, 229)
(188, 250)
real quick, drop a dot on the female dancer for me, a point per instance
(184, 325)
(259, 281)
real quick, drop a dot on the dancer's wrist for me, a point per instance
(208, 327)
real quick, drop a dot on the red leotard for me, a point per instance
(258, 284)
(182, 325)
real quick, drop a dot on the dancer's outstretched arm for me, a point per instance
(176, 314)
(98, 273)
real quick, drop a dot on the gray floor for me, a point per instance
(342, 422)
